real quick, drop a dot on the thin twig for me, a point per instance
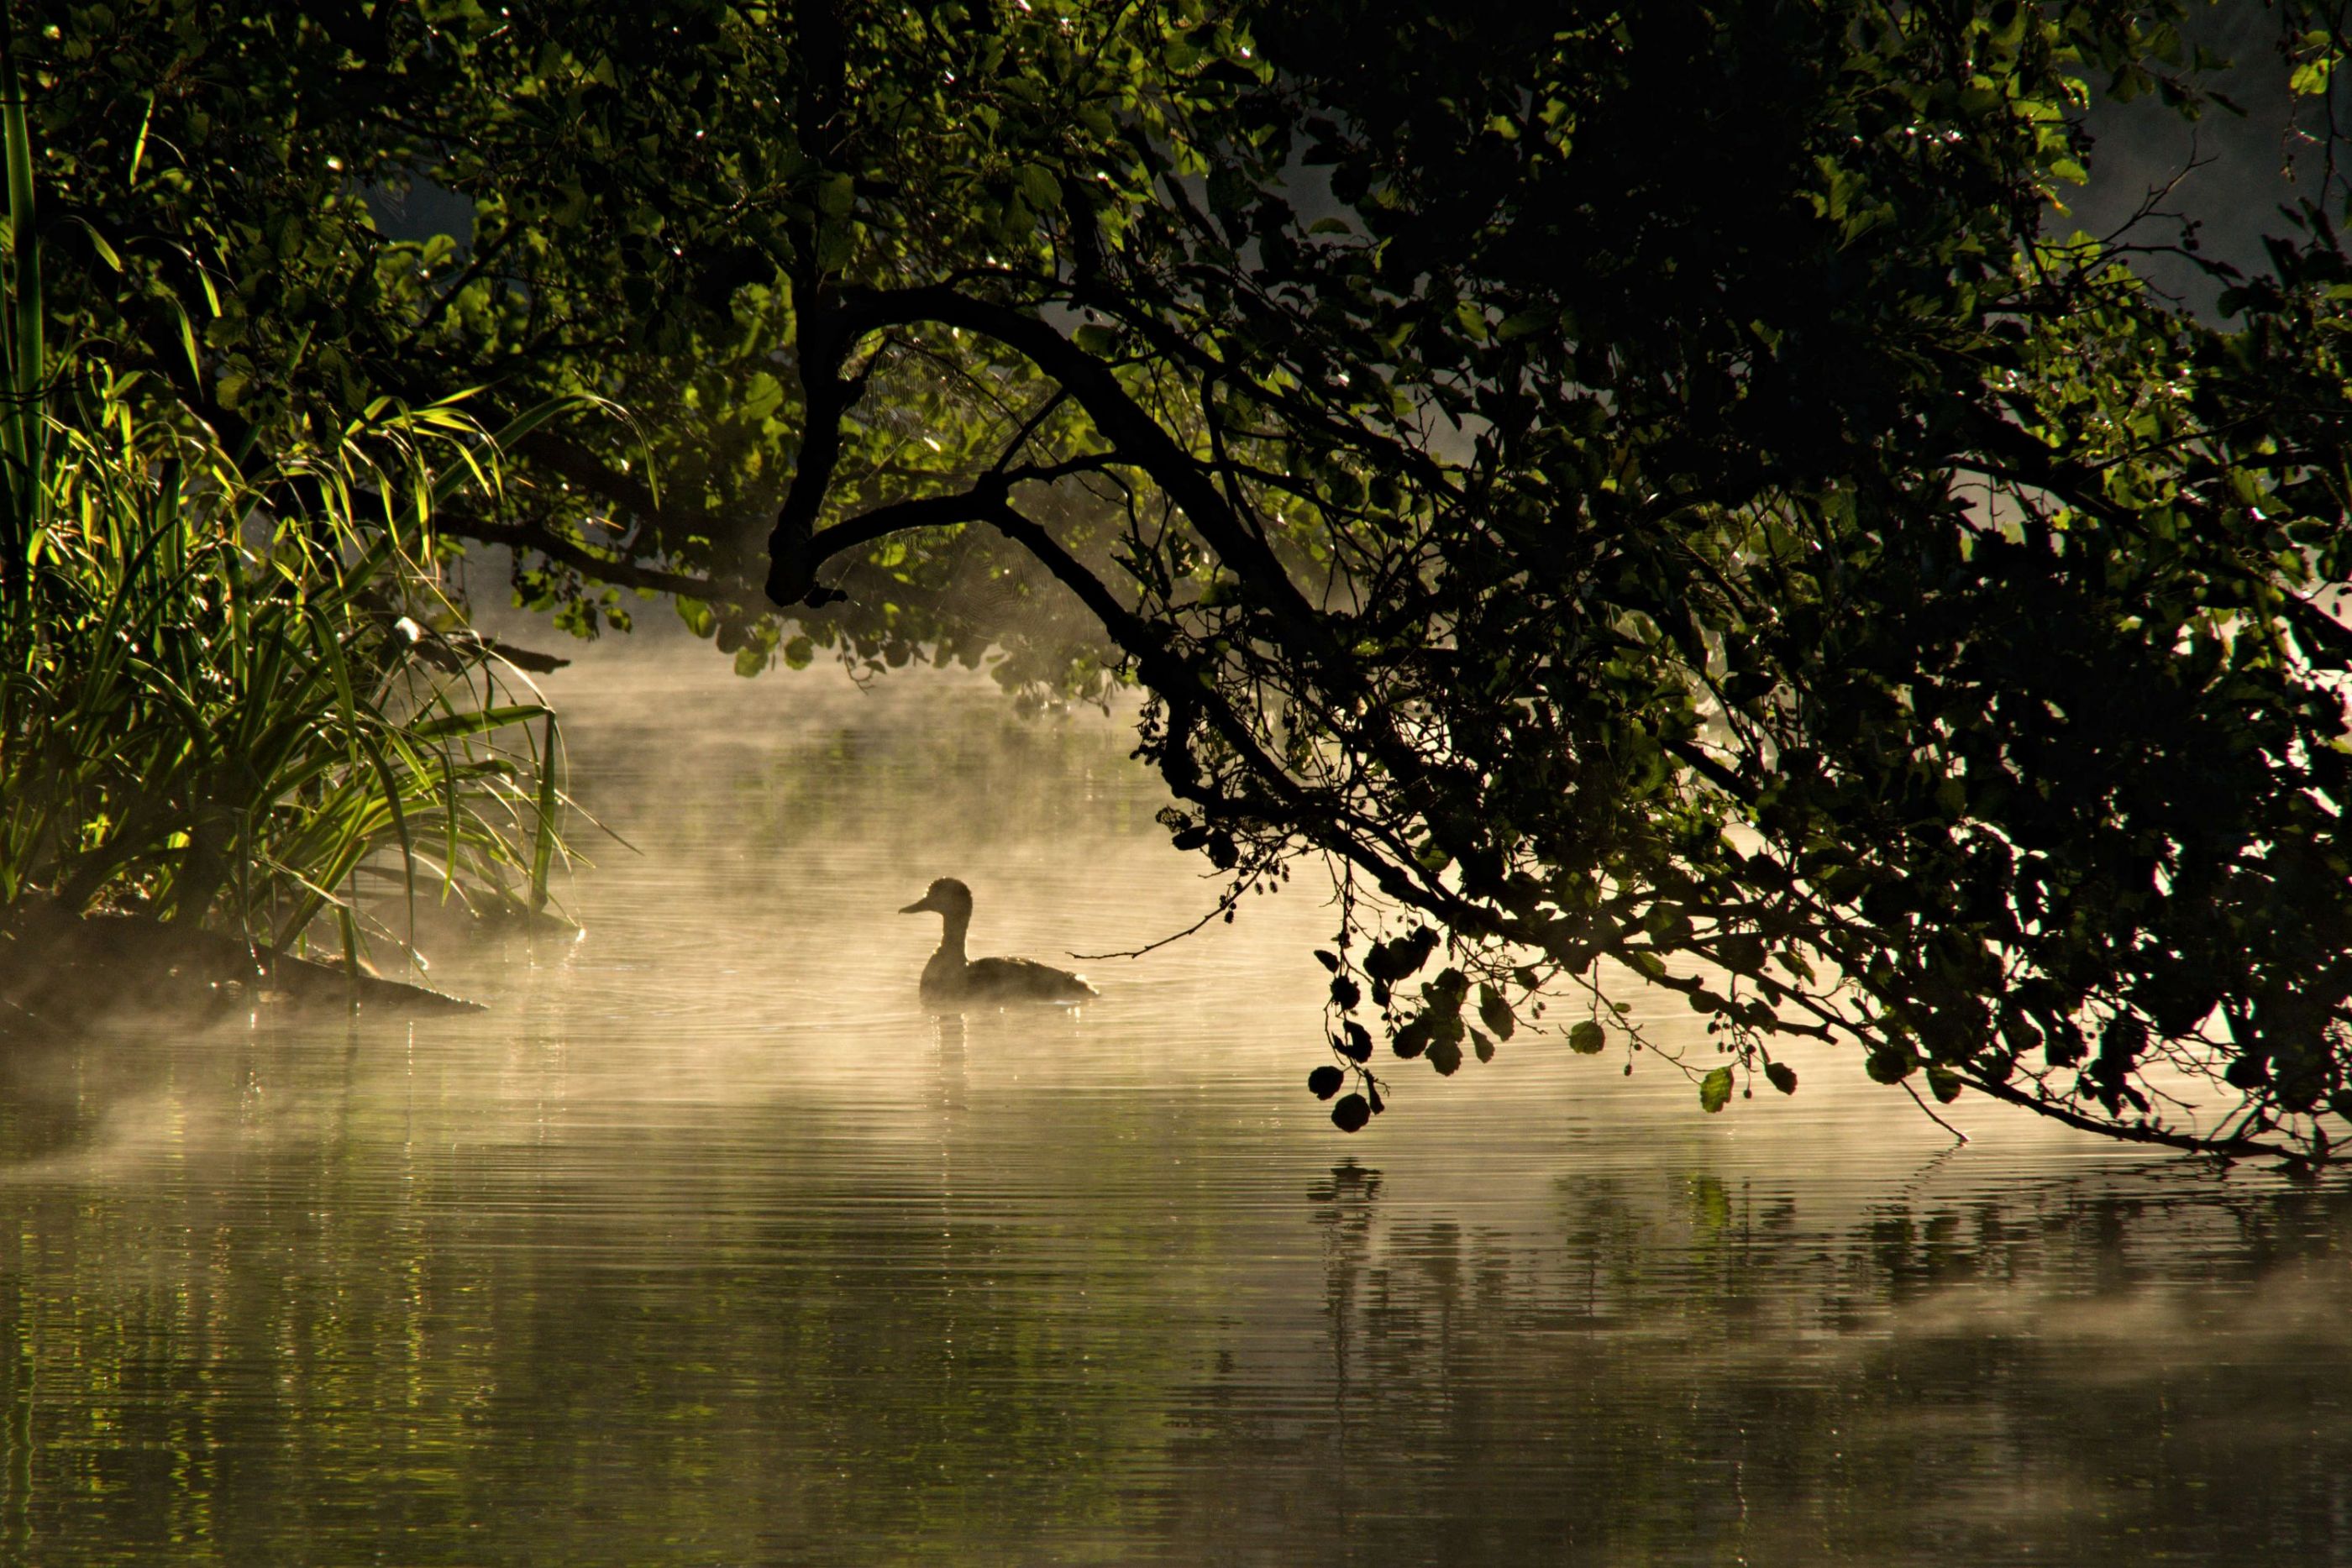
(1957, 1135)
(1222, 904)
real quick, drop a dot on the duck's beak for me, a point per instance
(921, 905)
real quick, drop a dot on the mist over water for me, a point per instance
(707, 1244)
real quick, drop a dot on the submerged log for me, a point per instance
(61, 971)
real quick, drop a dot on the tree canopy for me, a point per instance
(1645, 493)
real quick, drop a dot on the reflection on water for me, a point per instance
(709, 1245)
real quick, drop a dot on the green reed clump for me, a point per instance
(229, 699)
(232, 691)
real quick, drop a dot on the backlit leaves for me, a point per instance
(1813, 589)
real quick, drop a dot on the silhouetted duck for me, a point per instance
(950, 976)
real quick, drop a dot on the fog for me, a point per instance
(708, 1242)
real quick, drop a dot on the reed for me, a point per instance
(235, 695)
(237, 702)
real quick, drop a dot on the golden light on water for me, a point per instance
(709, 1243)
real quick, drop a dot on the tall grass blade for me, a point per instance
(26, 426)
(543, 837)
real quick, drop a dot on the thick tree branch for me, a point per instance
(2128, 1132)
(1132, 431)
(794, 582)
(604, 569)
(1181, 685)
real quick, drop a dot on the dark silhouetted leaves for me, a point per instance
(1890, 1066)
(1496, 1013)
(2086, 756)
(1445, 1055)
(2017, 1031)
(1351, 1113)
(1743, 954)
(1782, 1076)
(1325, 1082)
(1345, 992)
(1359, 1041)
(1398, 956)
(2120, 1044)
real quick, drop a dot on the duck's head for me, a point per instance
(946, 896)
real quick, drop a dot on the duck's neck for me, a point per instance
(952, 928)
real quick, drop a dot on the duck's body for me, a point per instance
(950, 978)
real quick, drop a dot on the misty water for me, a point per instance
(706, 1244)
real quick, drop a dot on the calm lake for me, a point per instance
(707, 1245)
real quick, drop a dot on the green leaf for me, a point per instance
(763, 396)
(1588, 1039)
(1523, 323)
(1715, 1090)
(1039, 187)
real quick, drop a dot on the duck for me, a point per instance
(950, 976)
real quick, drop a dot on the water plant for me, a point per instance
(234, 692)
(228, 699)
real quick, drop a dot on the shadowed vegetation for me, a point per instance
(236, 707)
(1645, 495)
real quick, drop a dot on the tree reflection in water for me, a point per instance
(1019, 1339)
(1694, 1373)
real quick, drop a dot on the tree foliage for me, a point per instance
(1642, 492)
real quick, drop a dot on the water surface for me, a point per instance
(707, 1245)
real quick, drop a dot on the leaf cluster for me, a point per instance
(1640, 492)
